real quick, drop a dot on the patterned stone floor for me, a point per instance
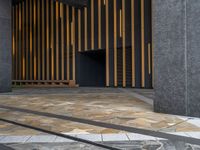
(117, 106)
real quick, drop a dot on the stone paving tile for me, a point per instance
(62, 140)
(90, 137)
(194, 121)
(41, 139)
(88, 103)
(114, 137)
(139, 137)
(180, 133)
(194, 134)
(14, 139)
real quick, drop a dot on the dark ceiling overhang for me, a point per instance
(76, 3)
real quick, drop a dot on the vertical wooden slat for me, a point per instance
(133, 40)
(74, 43)
(43, 40)
(149, 58)
(115, 43)
(99, 24)
(68, 43)
(142, 45)
(120, 23)
(27, 40)
(92, 24)
(52, 40)
(17, 42)
(107, 44)
(85, 28)
(79, 30)
(124, 41)
(31, 42)
(62, 39)
(47, 39)
(57, 40)
(34, 23)
(39, 39)
(23, 42)
(20, 43)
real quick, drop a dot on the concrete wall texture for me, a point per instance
(176, 29)
(5, 46)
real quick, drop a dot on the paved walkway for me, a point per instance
(130, 107)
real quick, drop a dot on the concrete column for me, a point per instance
(176, 38)
(5, 46)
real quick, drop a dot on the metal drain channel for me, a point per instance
(109, 125)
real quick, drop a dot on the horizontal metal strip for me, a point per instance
(109, 125)
(60, 135)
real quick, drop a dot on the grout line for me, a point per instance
(128, 137)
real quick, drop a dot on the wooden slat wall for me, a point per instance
(41, 48)
(47, 35)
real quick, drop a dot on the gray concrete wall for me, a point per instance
(176, 37)
(5, 46)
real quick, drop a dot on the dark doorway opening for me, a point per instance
(90, 68)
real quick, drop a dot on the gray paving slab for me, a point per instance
(62, 140)
(194, 121)
(41, 139)
(180, 133)
(139, 137)
(194, 134)
(14, 139)
(115, 137)
(90, 137)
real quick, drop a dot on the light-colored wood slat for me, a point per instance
(85, 28)
(107, 44)
(47, 40)
(142, 45)
(17, 42)
(62, 39)
(39, 39)
(35, 38)
(27, 43)
(43, 40)
(68, 42)
(92, 24)
(23, 42)
(79, 30)
(20, 42)
(124, 41)
(149, 58)
(13, 42)
(57, 40)
(52, 40)
(133, 40)
(74, 44)
(99, 24)
(31, 40)
(115, 42)
(120, 23)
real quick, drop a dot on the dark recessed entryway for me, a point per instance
(91, 68)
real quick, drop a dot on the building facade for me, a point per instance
(111, 43)
(105, 43)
